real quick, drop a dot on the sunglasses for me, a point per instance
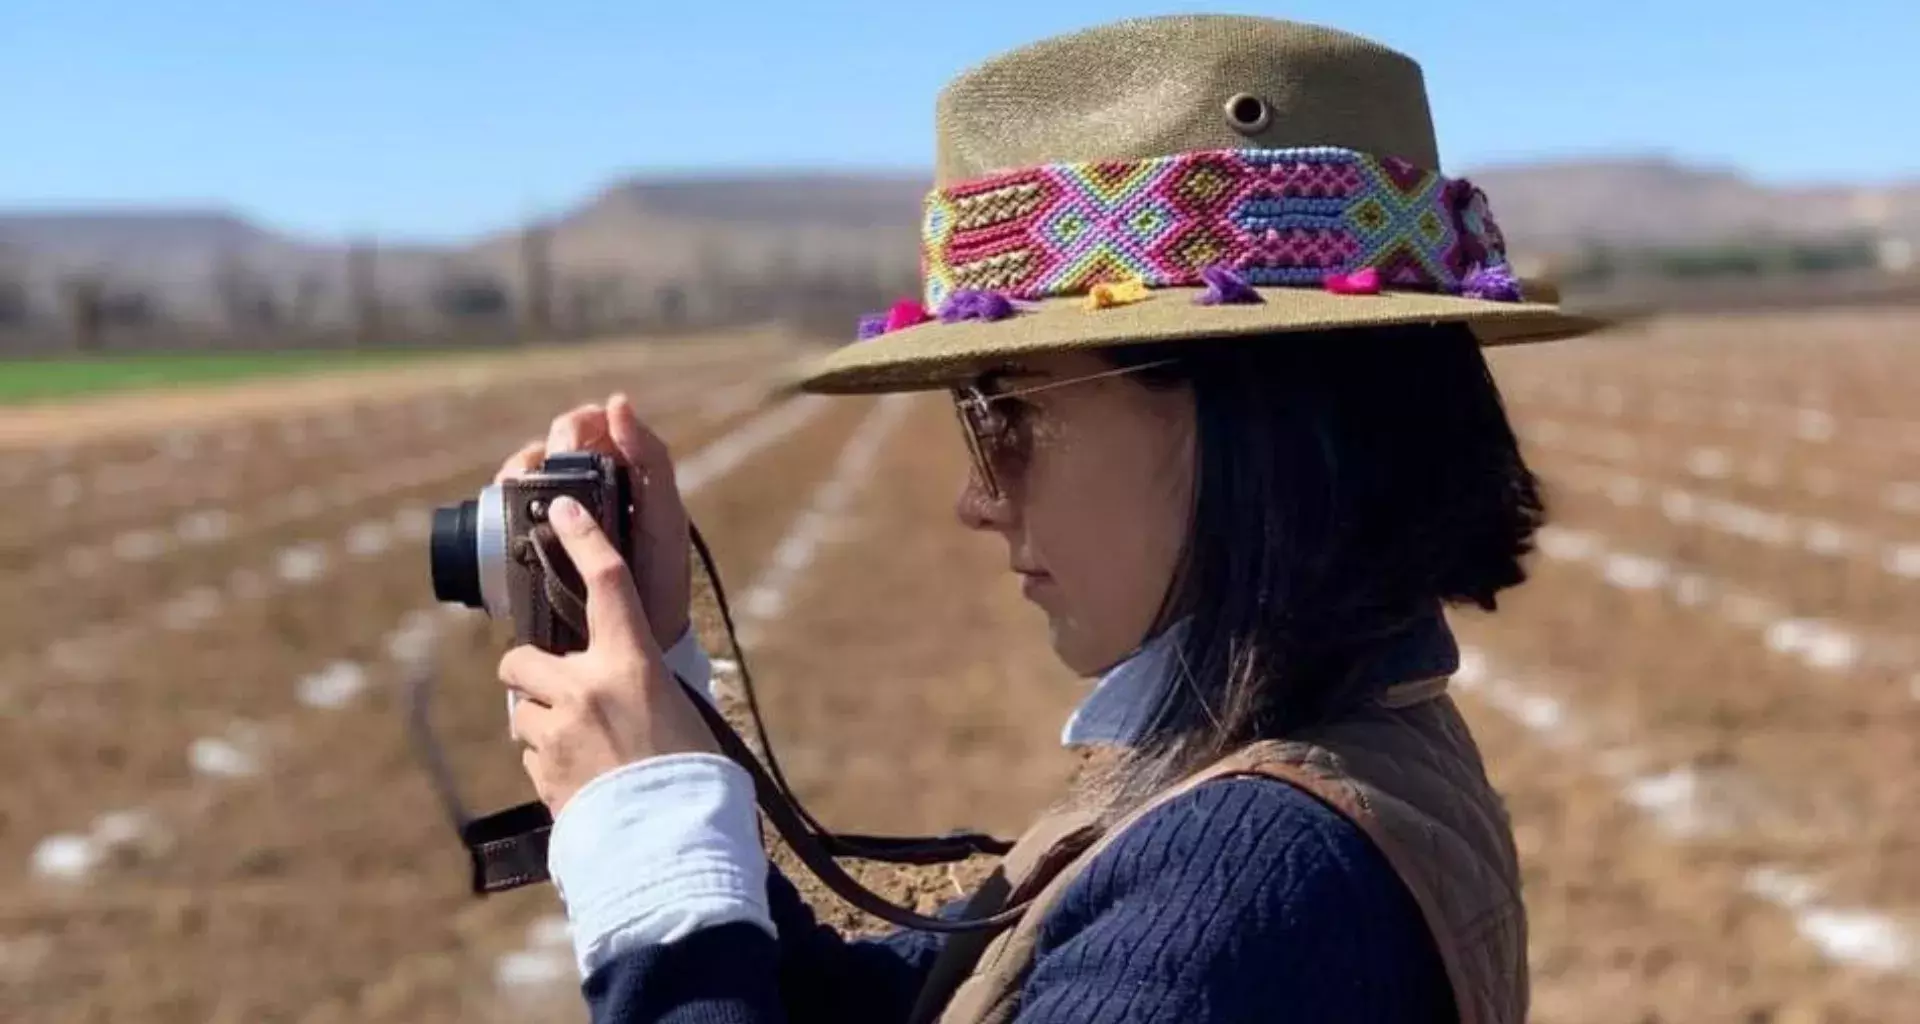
(995, 440)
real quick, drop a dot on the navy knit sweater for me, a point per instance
(1243, 900)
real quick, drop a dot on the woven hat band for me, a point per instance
(1274, 217)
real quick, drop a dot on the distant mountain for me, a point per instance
(181, 257)
(643, 233)
(1556, 207)
(788, 200)
(93, 235)
(684, 228)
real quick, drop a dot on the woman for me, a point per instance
(1212, 323)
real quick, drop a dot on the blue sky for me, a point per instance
(426, 119)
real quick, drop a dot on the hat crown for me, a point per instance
(1152, 87)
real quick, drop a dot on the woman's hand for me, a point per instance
(660, 539)
(583, 714)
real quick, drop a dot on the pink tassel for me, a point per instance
(906, 313)
(1361, 282)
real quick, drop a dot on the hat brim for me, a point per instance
(938, 355)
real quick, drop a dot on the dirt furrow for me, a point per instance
(132, 728)
(1625, 924)
(83, 424)
(1802, 765)
(87, 595)
(1850, 361)
(1743, 469)
(343, 803)
(1820, 568)
(84, 505)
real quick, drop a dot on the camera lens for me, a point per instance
(468, 550)
(455, 555)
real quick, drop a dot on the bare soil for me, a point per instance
(1661, 760)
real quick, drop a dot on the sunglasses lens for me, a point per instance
(977, 423)
(1001, 434)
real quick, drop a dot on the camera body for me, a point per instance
(497, 551)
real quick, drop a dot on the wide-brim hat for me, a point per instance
(1198, 176)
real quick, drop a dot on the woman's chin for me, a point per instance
(1071, 647)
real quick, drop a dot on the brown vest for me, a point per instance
(1403, 769)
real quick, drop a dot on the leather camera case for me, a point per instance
(607, 498)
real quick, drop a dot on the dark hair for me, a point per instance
(1349, 483)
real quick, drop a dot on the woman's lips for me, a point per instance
(1032, 581)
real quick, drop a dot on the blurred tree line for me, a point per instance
(722, 286)
(1600, 267)
(463, 304)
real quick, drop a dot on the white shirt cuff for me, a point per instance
(656, 850)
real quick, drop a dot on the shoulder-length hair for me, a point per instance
(1349, 484)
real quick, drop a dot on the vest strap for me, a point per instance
(1040, 854)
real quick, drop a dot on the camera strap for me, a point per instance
(508, 849)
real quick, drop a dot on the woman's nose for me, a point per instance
(979, 509)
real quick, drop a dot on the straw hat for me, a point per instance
(1187, 177)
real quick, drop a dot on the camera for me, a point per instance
(497, 552)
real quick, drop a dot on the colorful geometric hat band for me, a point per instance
(1317, 217)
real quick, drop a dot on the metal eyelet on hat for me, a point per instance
(1248, 114)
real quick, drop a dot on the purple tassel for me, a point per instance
(1494, 283)
(872, 326)
(1224, 287)
(969, 304)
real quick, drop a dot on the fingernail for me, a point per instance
(568, 513)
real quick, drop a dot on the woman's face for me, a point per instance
(1096, 483)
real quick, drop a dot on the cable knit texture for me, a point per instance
(1244, 900)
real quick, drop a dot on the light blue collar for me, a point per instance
(1123, 702)
(1122, 705)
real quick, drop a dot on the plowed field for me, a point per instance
(1704, 708)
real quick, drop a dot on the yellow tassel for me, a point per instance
(1118, 293)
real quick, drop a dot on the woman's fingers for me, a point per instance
(615, 619)
(578, 430)
(531, 672)
(534, 725)
(583, 428)
(586, 713)
(522, 462)
(613, 429)
(658, 559)
(660, 528)
(638, 445)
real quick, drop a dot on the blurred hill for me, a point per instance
(189, 262)
(637, 234)
(663, 242)
(1557, 208)
(696, 229)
